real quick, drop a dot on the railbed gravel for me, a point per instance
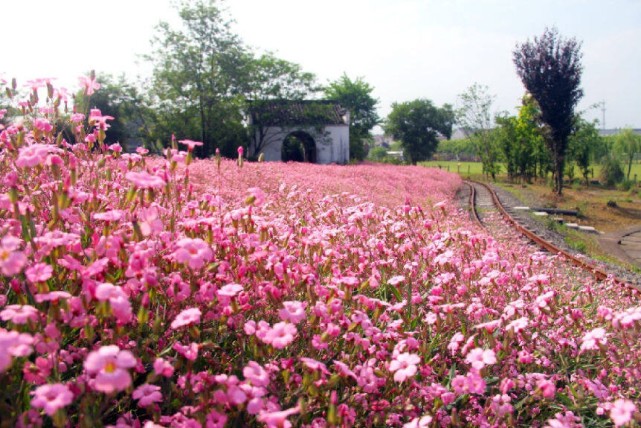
(539, 227)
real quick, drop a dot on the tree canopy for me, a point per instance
(204, 77)
(418, 125)
(356, 96)
(550, 69)
(474, 115)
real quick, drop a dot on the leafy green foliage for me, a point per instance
(627, 144)
(581, 146)
(204, 77)
(611, 172)
(521, 141)
(356, 96)
(196, 86)
(418, 125)
(269, 79)
(123, 101)
(550, 69)
(475, 116)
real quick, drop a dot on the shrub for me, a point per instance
(611, 172)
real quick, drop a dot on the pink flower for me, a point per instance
(293, 312)
(145, 180)
(518, 324)
(256, 196)
(11, 259)
(19, 314)
(39, 272)
(395, 280)
(193, 252)
(147, 394)
(149, 221)
(422, 422)
(52, 296)
(546, 388)
(256, 374)
(117, 298)
(190, 351)
(593, 339)
(479, 358)
(89, 84)
(186, 317)
(404, 366)
(42, 125)
(475, 383)
(13, 344)
(622, 411)
(281, 335)
(109, 365)
(191, 144)
(241, 150)
(77, 117)
(163, 367)
(278, 419)
(33, 155)
(51, 397)
(230, 290)
(215, 420)
(110, 216)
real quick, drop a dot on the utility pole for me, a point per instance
(603, 114)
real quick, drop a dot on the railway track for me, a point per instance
(486, 209)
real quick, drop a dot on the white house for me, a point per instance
(315, 131)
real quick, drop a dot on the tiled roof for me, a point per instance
(296, 113)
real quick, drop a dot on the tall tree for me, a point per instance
(356, 96)
(418, 125)
(627, 145)
(267, 78)
(196, 83)
(521, 141)
(474, 115)
(582, 144)
(550, 69)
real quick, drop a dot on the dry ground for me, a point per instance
(606, 210)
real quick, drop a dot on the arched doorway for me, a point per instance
(299, 146)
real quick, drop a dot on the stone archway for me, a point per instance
(299, 146)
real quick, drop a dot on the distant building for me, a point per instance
(315, 131)
(460, 134)
(615, 131)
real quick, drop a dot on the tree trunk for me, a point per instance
(559, 162)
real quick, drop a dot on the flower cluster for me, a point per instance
(167, 291)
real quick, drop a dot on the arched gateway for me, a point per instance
(299, 131)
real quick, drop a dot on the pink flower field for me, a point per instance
(142, 291)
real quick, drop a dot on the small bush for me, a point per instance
(611, 172)
(625, 185)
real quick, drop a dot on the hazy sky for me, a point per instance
(405, 49)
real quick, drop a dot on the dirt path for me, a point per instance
(623, 244)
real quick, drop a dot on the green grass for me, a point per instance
(475, 169)
(464, 169)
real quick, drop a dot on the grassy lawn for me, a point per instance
(464, 169)
(475, 169)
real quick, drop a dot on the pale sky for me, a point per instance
(405, 49)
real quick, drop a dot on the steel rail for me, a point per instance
(598, 273)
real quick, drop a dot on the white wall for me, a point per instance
(332, 145)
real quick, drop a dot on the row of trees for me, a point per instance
(518, 142)
(204, 80)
